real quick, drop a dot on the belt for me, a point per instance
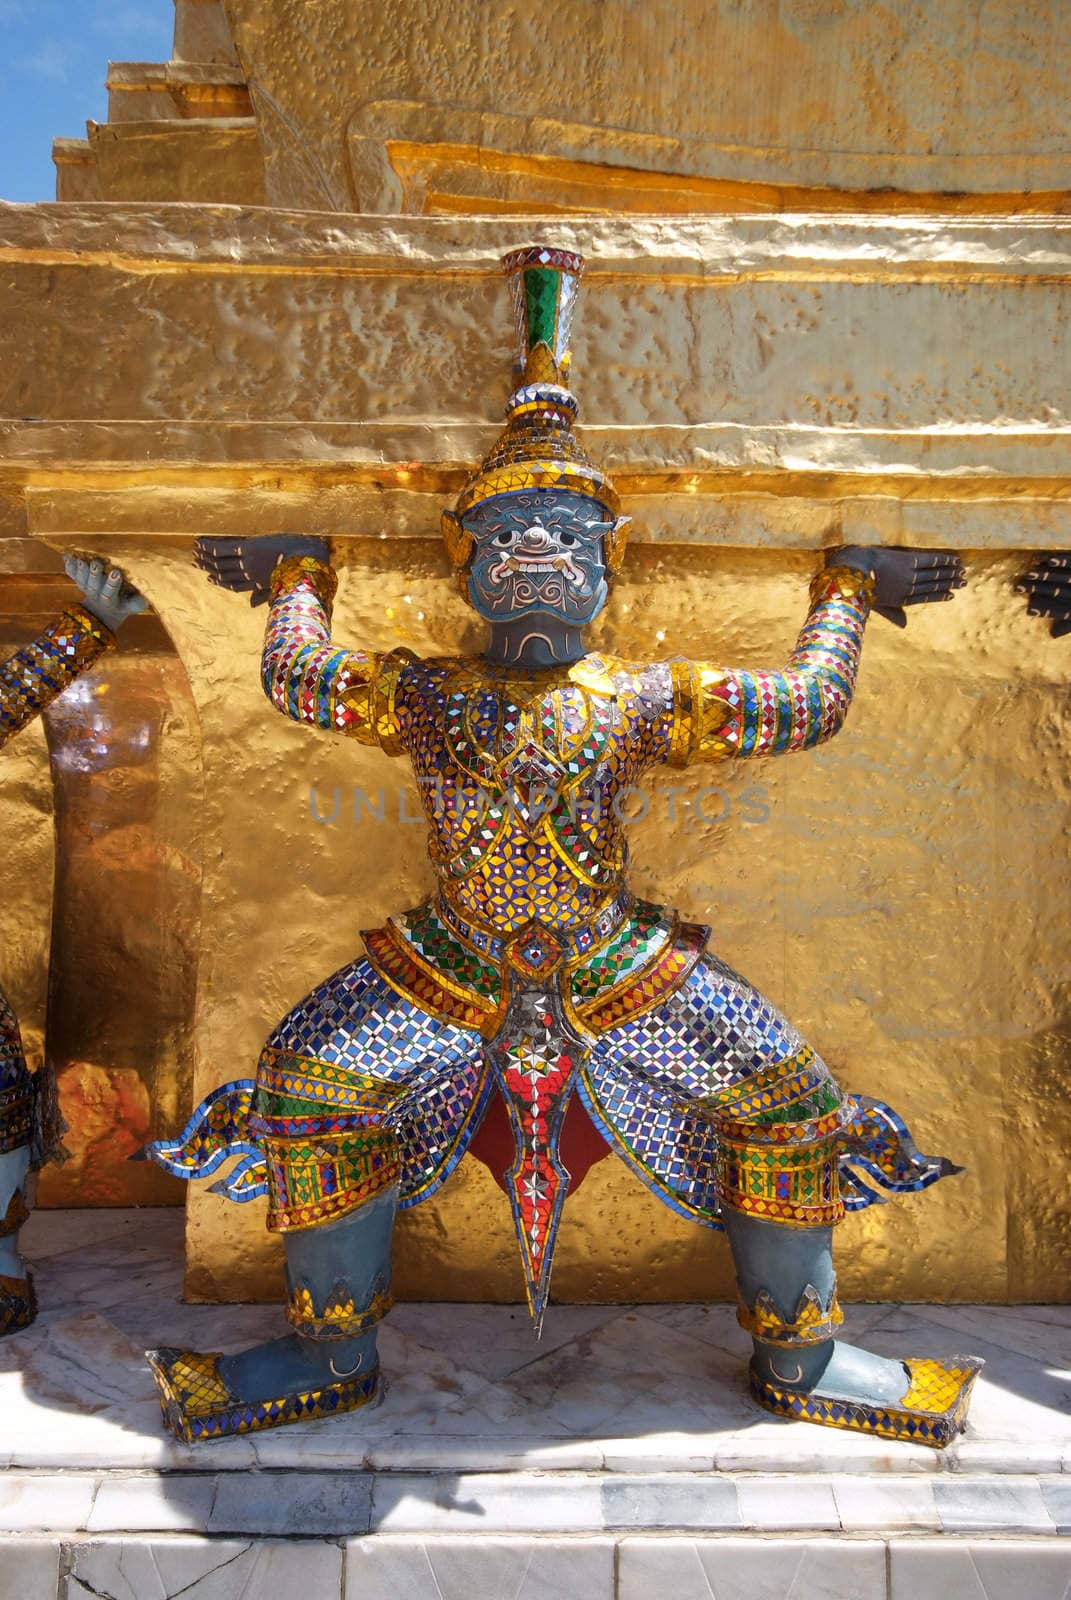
(578, 942)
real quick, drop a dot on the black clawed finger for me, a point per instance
(225, 571)
(928, 559)
(1050, 588)
(1046, 568)
(934, 589)
(1060, 629)
(926, 582)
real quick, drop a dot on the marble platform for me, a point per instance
(619, 1454)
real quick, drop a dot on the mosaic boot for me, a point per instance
(18, 1304)
(788, 1303)
(338, 1291)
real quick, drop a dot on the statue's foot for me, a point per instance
(18, 1303)
(210, 1396)
(921, 1400)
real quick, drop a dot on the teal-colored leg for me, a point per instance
(800, 1369)
(338, 1282)
(18, 1306)
(780, 1265)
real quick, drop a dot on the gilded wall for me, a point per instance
(838, 95)
(827, 299)
(597, 107)
(764, 387)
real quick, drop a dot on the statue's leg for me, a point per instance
(788, 1301)
(730, 1115)
(20, 1143)
(360, 1103)
(338, 1291)
(18, 1306)
(779, 1179)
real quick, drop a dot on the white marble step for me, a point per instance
(618, 1458)
(295, 1503)
(646, 1389)
(487, 1567)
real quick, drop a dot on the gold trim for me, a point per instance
(340, 1317)
(685, 726)
(292, 570)
(671, 923)
(445, 478)
(800, 1190)
(848, 583)
(812, 1323)
(950, 274)
(413, 157)
(682, 953)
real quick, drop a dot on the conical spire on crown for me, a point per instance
(543, 287)
(538, 449)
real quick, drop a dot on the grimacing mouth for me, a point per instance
(529, 563)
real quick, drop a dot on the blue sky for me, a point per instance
(56, 55)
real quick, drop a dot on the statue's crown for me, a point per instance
(538, 449)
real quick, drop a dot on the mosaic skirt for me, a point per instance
(29, 1107)
(712, 1098)
(17, 1096)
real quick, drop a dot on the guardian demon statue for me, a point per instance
(30, 1124)
(534, 974)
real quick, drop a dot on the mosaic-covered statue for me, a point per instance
(31, 1128)
(534, 974)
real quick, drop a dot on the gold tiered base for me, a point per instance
(933, 1409)
(197, 1404)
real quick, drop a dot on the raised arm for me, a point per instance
(720, 712)
(304, 675)
(32, 678)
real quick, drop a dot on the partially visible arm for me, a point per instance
(32, 678)
(307, 678)
(722, 713)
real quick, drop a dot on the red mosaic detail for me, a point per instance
(536, 1083)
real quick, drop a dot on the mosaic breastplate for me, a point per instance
(524, 781)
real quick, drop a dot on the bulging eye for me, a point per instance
(505, 537)
(567, 538)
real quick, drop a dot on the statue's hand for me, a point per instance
(105, 590)
(1047, 587)
(902, 577)
(246, 565)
